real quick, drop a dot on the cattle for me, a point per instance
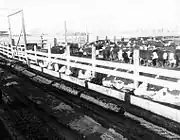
(125, 57)
(145, 57)
(177, 57)
(58, 49)
(108, 49)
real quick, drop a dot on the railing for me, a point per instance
(107, 67)
(135, 72)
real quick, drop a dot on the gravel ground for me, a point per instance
(87, 125)
(64, 113)
(4, 135)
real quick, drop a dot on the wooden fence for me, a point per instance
(133, 72)
(138, 73)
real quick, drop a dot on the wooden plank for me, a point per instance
(30, 51)
(73, 80)
(38, 68)
(42, 80)
(160, 71)
(93, 60)
(156, 108)
(41, 58)
(115, 73)
(62, 62)
(136, 66)
(61, 56)
(159, 82)
(42, 53)
(115, 64)
(107, 91)
(178, 116)
(28, 73)
(100, 70)
(101, 62)
(31, 57)
(81, 59)
(68, 56)
(37, 52)
(50, 72)
(163, 83)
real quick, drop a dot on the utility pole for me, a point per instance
(67, 46)
(65, 32)
(87, 35)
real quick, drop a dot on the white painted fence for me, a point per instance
(107, 67)
(98, 66)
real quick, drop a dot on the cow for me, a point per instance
(177, 56)
(145, 57)
(125, 57)
(172, 59)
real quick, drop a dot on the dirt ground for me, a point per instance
(4, 135)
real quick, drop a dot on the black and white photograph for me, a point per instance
(89, 69)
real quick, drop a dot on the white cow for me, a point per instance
(120, 57)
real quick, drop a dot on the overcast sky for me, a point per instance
(98, 17)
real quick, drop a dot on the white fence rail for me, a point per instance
(100, 66)
(130, 71)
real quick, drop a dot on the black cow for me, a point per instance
(145, 56)
(57, 49)
(177, 57)
(125, 57)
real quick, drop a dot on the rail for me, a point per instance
(134, 72)
(128, 71)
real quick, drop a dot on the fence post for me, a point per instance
(10, 38)
(35, 53)
(136, 65)
(93, 59)
(24, 35)
(49, 53)
(114, 39)
(68, 56)
(97, 38)
(55, 41)
(87, 38)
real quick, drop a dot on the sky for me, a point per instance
(98, 17)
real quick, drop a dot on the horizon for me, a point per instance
(99, 18)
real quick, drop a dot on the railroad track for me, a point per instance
(141, 129)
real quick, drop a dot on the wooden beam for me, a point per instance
(15, 13)
(136, 66)
(93, 59)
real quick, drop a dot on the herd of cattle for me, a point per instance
(152, 53)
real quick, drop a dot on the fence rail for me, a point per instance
(138, 73)
(135, 72)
